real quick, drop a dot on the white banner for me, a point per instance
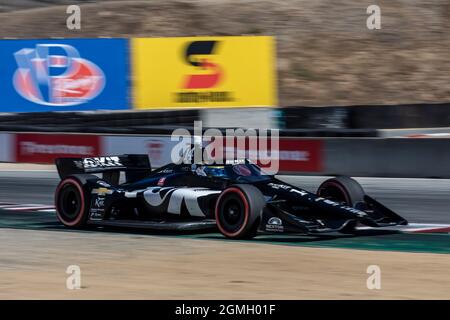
(6, 148)
(158, 148)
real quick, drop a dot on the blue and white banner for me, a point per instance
(64, 75)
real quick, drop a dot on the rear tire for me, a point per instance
(72, 200)
(238, 211)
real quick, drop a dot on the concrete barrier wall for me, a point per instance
(6, 147)
(421, 158)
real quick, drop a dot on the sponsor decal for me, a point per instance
(178, 198)
(102, 191)
(102, 162)
(97, 210)
(204, 71)
(356, 211)
(200, 171)
(275, 224)
(45, 148)
(235, 161)
(206, 50)
(275, 221)
(300, 192)
(279, 186)
(63, 79)
(161, 182)
(99, 202)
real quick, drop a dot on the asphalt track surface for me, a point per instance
(418, 200)
(36, 250)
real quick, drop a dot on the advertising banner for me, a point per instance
(204, 72)
(6, 148)
(45, 148)
(300, 155)
(294, 155)
(64, 75)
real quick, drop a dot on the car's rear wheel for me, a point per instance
(238, 210)
(343, 190)
(72, 200)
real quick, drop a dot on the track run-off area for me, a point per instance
(35, 251)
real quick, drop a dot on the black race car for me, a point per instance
(237, 197)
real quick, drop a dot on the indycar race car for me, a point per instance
(237, 198)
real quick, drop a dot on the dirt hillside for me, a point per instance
(326, 54)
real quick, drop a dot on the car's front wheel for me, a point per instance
(343, 190)
(346, 191)
(238, 211)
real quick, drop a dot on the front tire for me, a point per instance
(72, 200)
(238, 211)
(343, 190)
(346, 191)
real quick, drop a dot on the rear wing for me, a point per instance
(135, 166)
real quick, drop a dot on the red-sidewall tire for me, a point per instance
(245, 199)
(342, 189)
(75, 213)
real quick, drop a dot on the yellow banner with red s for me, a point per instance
(204, 72)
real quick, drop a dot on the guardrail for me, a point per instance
(375, 157)
(368, 116)
(350, 121)
(143, 122)
(98, 122)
